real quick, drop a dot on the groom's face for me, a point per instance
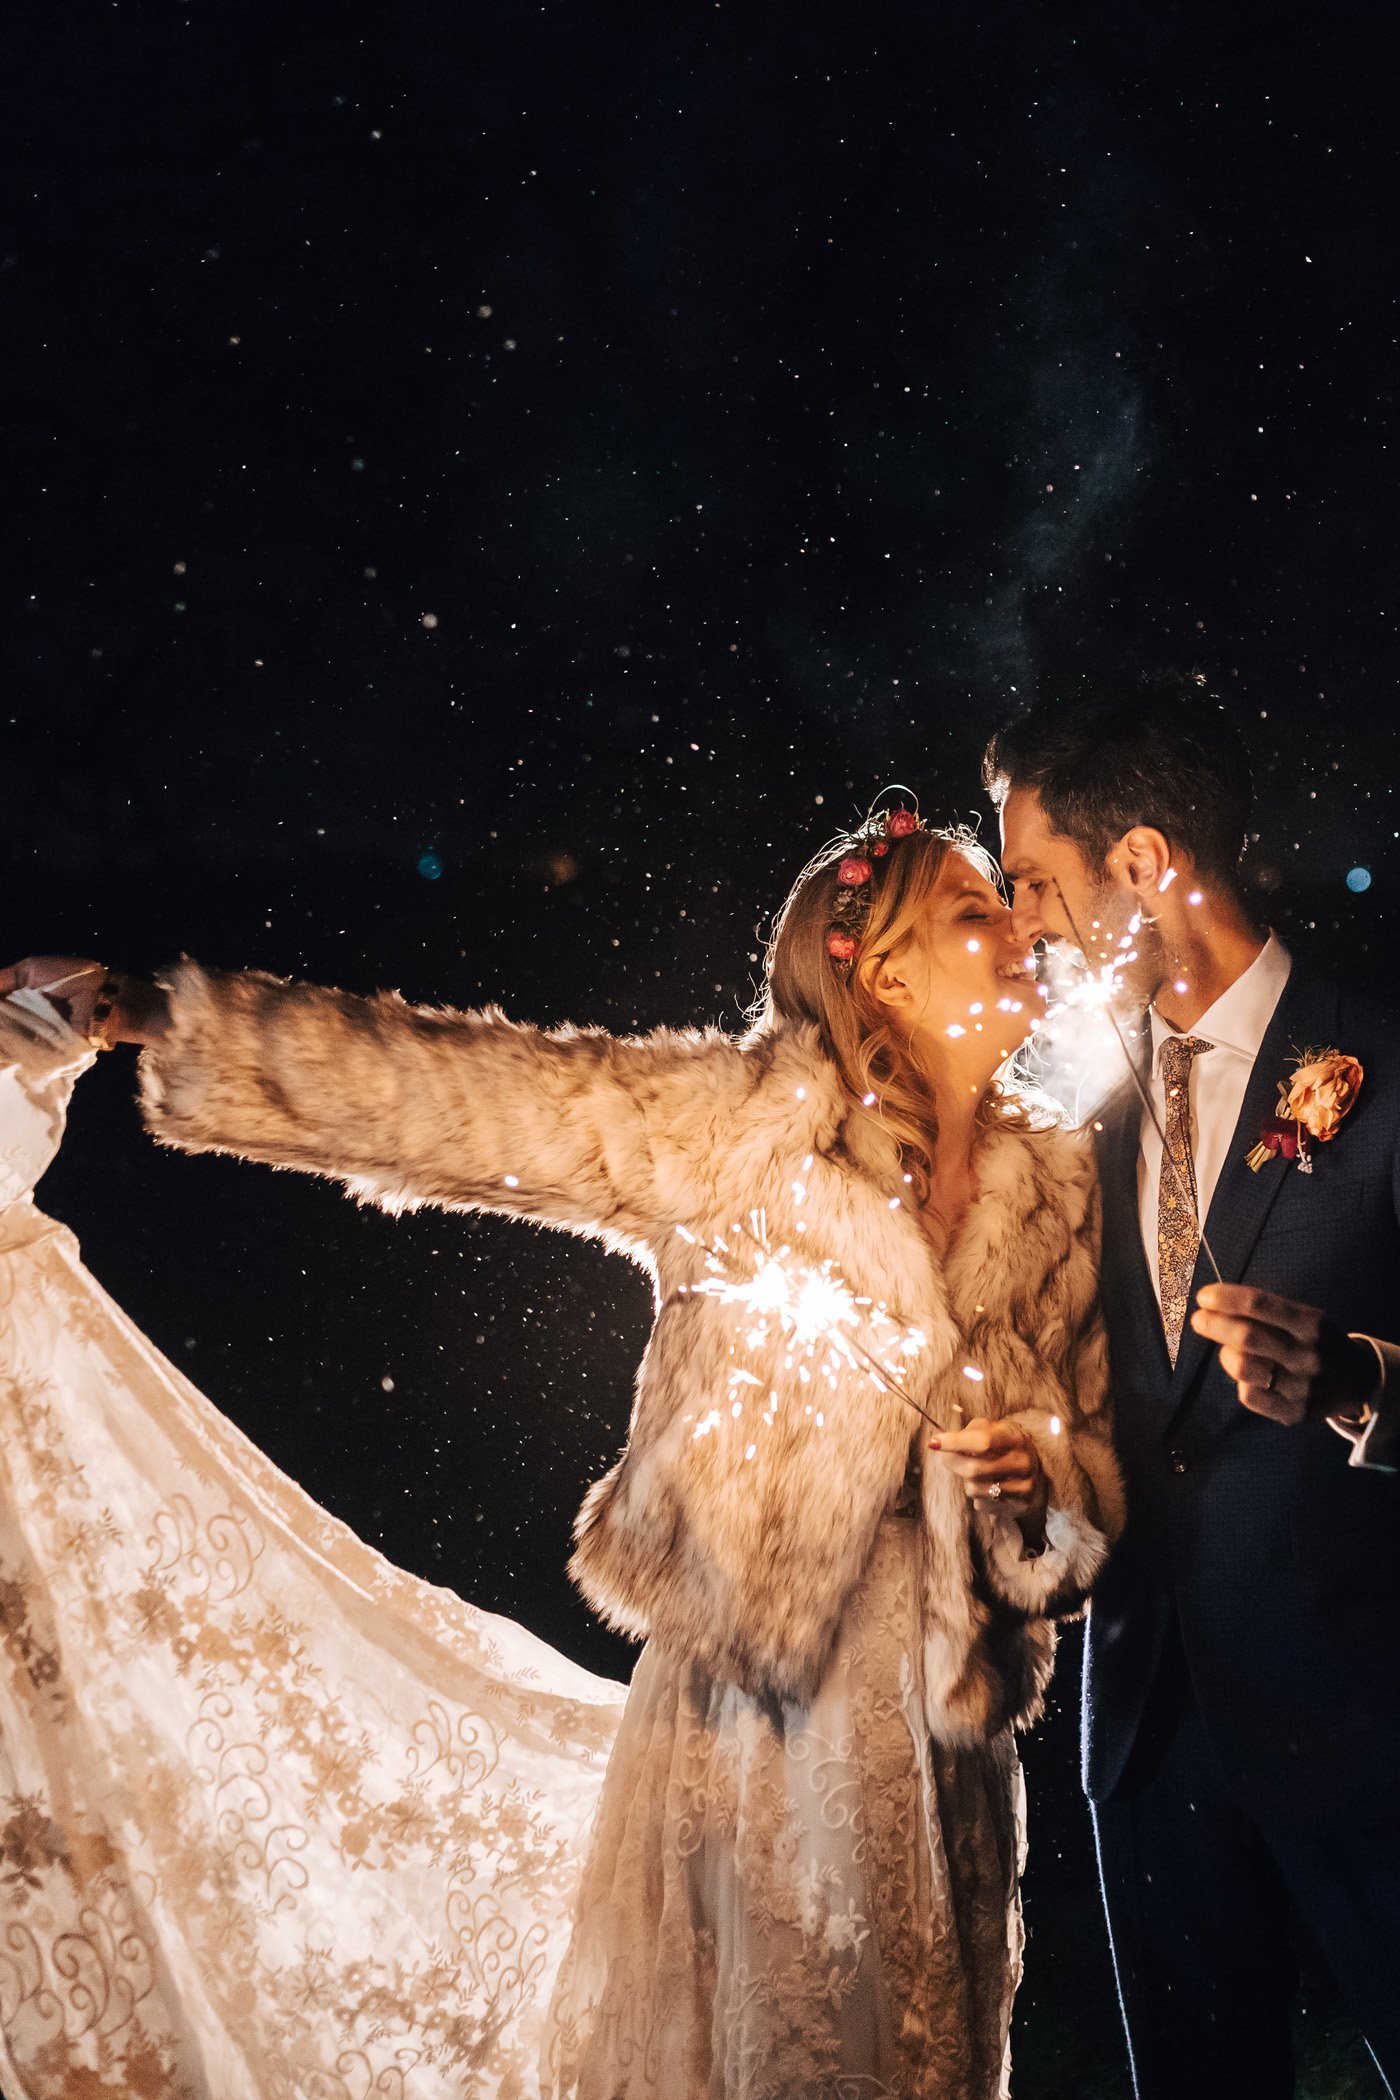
(1055, 889)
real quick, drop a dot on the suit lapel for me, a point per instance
(1305, 1015)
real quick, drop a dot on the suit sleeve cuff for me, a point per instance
(1375, 1444)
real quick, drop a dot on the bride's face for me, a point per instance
(962, 977)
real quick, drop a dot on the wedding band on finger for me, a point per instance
(994, 1490)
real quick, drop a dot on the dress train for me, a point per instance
(278, 1821)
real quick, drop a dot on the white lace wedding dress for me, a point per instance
(281, 1822)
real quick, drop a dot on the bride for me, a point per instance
(284, 1821)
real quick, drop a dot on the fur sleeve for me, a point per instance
(1073, 1436)
(411, 1105)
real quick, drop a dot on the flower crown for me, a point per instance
(855, 880)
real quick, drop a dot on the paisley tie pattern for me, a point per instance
(1178, 1218)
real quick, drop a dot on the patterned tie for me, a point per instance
(1178, 1220)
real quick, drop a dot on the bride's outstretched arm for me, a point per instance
(409, 1105)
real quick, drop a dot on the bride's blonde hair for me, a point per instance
(803, 983)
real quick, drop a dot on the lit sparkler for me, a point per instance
(1097, 992)
(812, 1306)
(1074, 1049)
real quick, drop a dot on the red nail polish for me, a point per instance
(934, 1444)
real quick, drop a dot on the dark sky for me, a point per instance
(488, 488)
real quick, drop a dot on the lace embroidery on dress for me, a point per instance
(277, 1820)
(782, 1901)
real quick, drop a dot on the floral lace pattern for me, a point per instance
(277, 1820)
(784, 1901)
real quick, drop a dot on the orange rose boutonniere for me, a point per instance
(1311, 1108)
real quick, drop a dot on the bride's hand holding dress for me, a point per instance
(102, 1005)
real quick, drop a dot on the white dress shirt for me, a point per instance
(1219, 1077)
(1234, 1027)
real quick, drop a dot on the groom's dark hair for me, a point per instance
(1161, 753)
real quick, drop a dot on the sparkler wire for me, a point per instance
(1186, 1193)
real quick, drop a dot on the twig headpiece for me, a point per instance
(856, 877)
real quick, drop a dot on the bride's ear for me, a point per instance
(888, 986)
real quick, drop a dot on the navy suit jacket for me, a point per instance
(1280, 1560)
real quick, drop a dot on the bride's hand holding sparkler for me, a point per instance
(999, 1468)
(1288, 1361)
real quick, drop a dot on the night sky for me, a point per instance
(489, 489)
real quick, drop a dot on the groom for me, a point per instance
(1242, 1667)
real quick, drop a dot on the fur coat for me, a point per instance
(740, 1515)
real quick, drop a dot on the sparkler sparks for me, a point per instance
(827, 1328)
(1099, 989)
(1076, 1043)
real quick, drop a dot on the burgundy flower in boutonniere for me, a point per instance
(1311, 1107)
(1275, 1137)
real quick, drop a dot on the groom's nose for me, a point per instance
(1027, 919)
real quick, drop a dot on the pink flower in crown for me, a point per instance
(841, 945)
(852, 872)
(900, 822)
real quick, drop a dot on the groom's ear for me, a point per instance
(1142, 863)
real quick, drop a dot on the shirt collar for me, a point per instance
(1241, 1015)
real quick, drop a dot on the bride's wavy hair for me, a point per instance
(804, 985)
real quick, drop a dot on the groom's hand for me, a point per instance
(1288, 1361)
